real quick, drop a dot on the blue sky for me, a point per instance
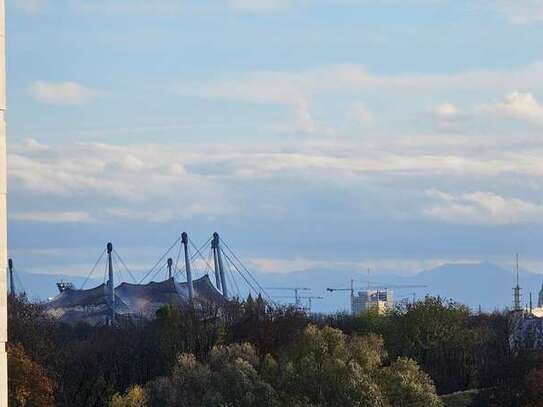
(396, 135)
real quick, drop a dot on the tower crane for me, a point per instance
(295, 289)
(309, 299)
(375, 287)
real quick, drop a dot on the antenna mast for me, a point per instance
(516, 293)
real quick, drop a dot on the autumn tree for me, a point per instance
(29, 384)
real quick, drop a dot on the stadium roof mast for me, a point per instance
(110, 285)
(170, 264)
(3, 217)
(218, 252)
(216, 263)
(11, 278)
(185, 241)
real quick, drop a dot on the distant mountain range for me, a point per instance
(474, 284)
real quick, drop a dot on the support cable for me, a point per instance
(117, 269)
(178, 257)
(261, 289)
(158, 272)
(231, 277)
(93, 268)
(209, 259)
(160, 260)
(124, 265)
(239, 272)
(19, 281)
(179, 271)
(248, 272)
(105, 273)
(21, 285)
(198, 252)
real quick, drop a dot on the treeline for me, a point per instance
(249, 354)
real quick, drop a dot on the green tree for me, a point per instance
(406, 385)
(329, 368)
(230, 379)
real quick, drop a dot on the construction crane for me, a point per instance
(309, 299)
(295, 289)
(376, 287)
(371, 286)
(345, 289)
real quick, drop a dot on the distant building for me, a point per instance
(540, 298)
(368, 300)
(538, 312)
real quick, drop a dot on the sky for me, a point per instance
(345, 134)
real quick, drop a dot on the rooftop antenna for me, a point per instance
(531, 304)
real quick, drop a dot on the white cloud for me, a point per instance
(482, 208)
(518, 105)
(51, 217)
(63, 93)
(446, 111)
(161, 215)
(299, 90)
(148, 182)
(32, 145)
(448, 117)
(295, 87)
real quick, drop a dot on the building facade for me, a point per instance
(380, 301)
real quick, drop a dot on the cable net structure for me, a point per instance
(185, 275)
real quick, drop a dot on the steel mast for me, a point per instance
(185, 241)
(110, 285)
(221, 265)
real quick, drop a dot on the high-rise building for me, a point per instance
(540, 298)
(373, 300)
